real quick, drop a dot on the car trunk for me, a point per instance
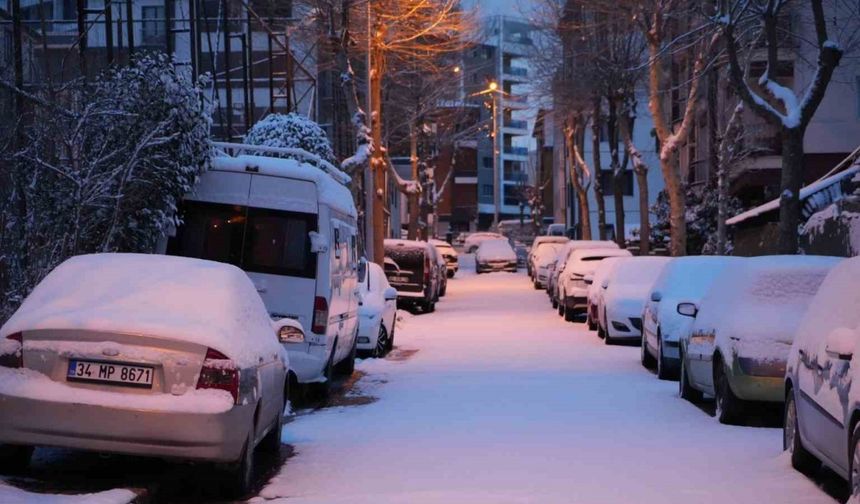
(411, 261)
(127, 363)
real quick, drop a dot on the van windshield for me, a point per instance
(254, 239)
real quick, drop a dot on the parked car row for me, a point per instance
(419, 271)
(192, 355)
(778, 330)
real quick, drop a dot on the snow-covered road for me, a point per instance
(504, 402)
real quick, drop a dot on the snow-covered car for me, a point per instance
(495, 255)
(473, 240)
(546, 254)
(536, 245)
(555, 230)
(625, 290)
(146, 355)
(452, 260)
(377, 313)
(442, 270)
(573, 291)
(414, 273)
(568, 249)
(739, 344)
(685, 279)
(595, 289)
(822, 400)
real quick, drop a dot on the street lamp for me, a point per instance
(493, 89)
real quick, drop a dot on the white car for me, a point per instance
(537, 244)
(452, 258)
(470, 245)
(595, 291)
(625, 291)
(546, 254)
(685, 279)
(495, 255)
(740, 341)
(377, 313)
(568, 249)
(146, 355)
(573, 291)
(292, 227)
(822, 397)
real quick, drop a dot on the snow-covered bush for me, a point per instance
(702, 213)
(291, 131)
(104, 166)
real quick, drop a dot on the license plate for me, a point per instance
(110, 373)
(400, 279)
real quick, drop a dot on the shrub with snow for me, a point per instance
(701, 216)
(292, 131)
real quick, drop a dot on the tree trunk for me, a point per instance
(792, 180)
(677, 206)
(617, 173)
(377, 163)
(576, 181)
(413, 198)
(598, 170)
(644, 220)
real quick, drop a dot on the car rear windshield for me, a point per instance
(255, 239)
(408, 258)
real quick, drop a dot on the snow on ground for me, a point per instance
(12, 495)
(504, 402)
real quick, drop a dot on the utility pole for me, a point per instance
(377, 163)
(497, 179)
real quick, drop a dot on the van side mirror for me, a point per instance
(362, 270)
(688, 309)
(656, 296)
(289, 330)
(390, 294)
(319, 243)
(840, 344)
(605, 284)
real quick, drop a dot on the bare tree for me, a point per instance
(744, 24)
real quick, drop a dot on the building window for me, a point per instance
(609, 187)
(153, 24)
(486, 189)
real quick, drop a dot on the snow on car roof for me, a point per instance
(204, 302)
(639, 270)
(416, 244)
(496, 248)
(331, 192)
(550, 239)
(766, 297)
(599, 252)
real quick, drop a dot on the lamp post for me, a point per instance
(495, 92)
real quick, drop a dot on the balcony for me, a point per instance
(515, 73)
(516, 151)
(516, 124)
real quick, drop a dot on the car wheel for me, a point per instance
(444, 290)
(381, 347)
(451, 274)
(272, 442)
(728, 405)
(14, 459)
(601, 333)
(664, 372)
(536, 285)
(559, 307)
(391, 338)
(569, 314)
(644, 356)
(685, 389)
(854, 472)
(589, 321)
(606, 338)
(241, 472)
(801, 459)
(554, 302)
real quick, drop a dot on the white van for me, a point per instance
(291, 226)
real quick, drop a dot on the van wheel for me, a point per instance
(241, 472)
(347, 366)
(14, 459)
(729, 407)
(801, 459)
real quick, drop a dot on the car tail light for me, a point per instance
(219, 372)
(320, 321)
(12, 351)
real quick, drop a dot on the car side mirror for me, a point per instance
(656, 296)
(289, 330)
(688, 309)
(840, 344)
(390, 294)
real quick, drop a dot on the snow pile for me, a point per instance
(12, 495)
(204, 302)
(766, 297)
(31, 384)
(291, 131)
(686, 280)
(331, 192)
(495, 250)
